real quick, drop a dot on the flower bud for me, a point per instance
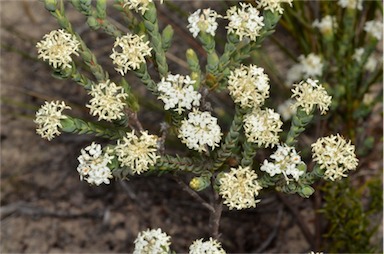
(306, 191)
(92, 23)
(199, 183)
(50, 5)
(167, 36)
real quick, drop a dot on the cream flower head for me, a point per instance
(108, 101)
(351, 4)
(286, 162)
(248, 86)
(245, 21)
(57, 47)
(239, 188)
(138, 5)
(48, 119)
(286, 110)
(372, 62)
(152, 241)
(208, 247)
(203, 21)
(262, 127)
(374, 28)
(273, 5)
(358, 54)
(335, 155)
(137, 153)
(177, 93)
(326, 25)
(93, 165)
(308, 94)
(132, 53)
(199, 130)
(311, 65)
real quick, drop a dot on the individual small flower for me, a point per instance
(286, 110)
(177, 92)
(239, 188)
(57, 47)
(351, 4)
(327, 24)
(93, 165)
(152, 241)
(312, 65)
(199, 130)
(132, 53)
(203, 22)
(262, 127)
(309, 94)
(335, 155)
(248, 86)
(138, 153)
(374, 28)
(208, 247)
(245, 21)
(107, 101)
(286, 162)
(274, 5)
(48, 119)
(138, 5)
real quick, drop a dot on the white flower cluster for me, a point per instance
(274, 5)
(335, 155)
(372, 61)
(286, 109)
(132, 54)
(327, 24)
(93, 165)
(245, 21)
(48, 119)
(309, 94)
(203, 22)
(262, 127)
(137, 153)
(351, 4)
(199, 130)
(309, 66)
(358, 54)
(239, 188)
(177, 92)
(286, 162)
(108, 101)
(57, 47)
(138, 5)
(208, 247)
(374, 28)
(248, 86)
(152, 241)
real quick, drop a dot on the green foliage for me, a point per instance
(349, 225)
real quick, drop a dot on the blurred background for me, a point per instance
(46, 208)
